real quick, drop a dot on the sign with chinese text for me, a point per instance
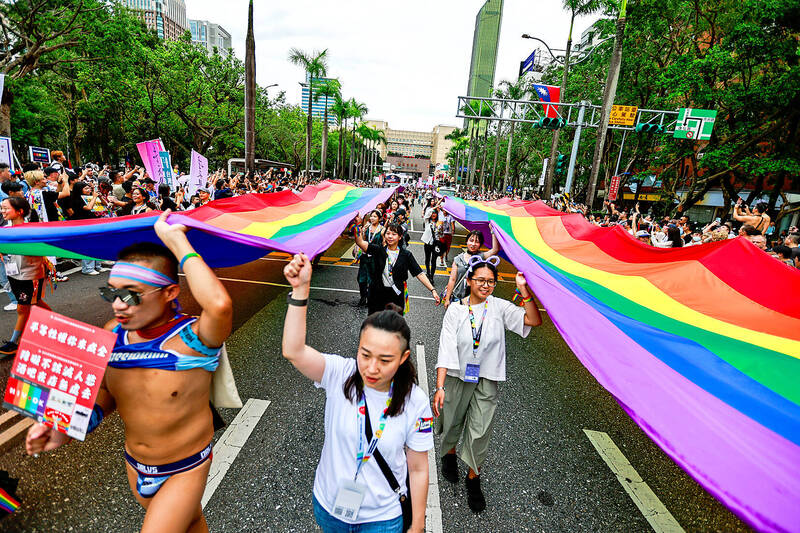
(150, 152)
(623, 115)
(39, 155)
(695, 124)
(644, 197)
(166, 168)
(613, 190)
(57, 371)
(198, 173)
(7, 153)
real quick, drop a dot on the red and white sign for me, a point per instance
(58, 370)
(613, 190)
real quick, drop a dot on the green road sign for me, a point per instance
(695, 124)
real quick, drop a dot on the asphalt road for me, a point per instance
(542, 473)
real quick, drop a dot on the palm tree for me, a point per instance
(513, 91)
(316, 66)
(455, 136)
(339, 109)
(329, 89)
(355, 110)
(379, 137)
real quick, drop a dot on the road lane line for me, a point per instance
(433, 512)
(230, 444)
(659, 517)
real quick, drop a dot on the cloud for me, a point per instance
(407, 61)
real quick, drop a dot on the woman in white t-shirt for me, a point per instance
(471, 361)
(378, 422)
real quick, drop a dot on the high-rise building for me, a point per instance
(421, 144)
(211, 36)
(318, 106)
(484, 49)
(166, 17)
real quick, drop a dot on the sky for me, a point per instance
(407, 60)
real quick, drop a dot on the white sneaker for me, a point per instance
(92, 273)
(103, 269)
(10, 307)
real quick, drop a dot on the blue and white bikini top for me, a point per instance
(152, 354)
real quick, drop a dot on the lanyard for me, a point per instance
(476, 333)
(389, 260)
(363, 457)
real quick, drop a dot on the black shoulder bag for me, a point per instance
(405, 499)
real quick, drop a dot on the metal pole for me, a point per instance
(574, 155)
(619, 157)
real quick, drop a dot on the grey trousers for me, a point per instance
(469, 409)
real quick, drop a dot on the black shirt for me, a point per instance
(405, 264)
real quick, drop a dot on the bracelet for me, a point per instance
(187, 256)
(437, 389)
(296, 302)
(527, 300)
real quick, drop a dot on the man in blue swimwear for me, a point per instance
(159, 377)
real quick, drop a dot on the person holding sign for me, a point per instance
(377, 421)
(471, 362)
(159, 376)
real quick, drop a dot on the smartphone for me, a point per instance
(718, 220)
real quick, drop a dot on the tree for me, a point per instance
(250, 95)
(340, 111)
(315, 66)
(356, 111)
(330, 89)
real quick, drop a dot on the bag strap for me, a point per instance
(387, 472)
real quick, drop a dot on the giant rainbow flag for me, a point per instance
(225, 232)
(699, 345)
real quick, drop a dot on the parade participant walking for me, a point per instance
(457, 284)
(471, 362)
(392, 265)
(377, 421)
(430, 236)
(374, 235)
(26, 274)
(159, 377)
(448, 228)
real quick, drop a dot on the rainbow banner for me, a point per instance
(699, 345)
(225, 232)
(7, 503)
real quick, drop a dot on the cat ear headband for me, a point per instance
(476, 261)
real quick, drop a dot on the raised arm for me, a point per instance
(532, 315)
(358, 235)
(216, 318)
(495, 247)
(306, 359)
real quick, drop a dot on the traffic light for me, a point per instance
(649, 128)
(551, 123)
(561, 163)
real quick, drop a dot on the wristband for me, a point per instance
(187, 256)
(96, 418)
(296, 302)
(527, 300)
(439, 389)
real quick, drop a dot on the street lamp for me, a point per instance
(583, 54)
(268, 86)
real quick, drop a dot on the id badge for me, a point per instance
(348, 500)
(472, 373)
(396, 290)
(11, 267)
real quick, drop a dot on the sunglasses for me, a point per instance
(128, 296)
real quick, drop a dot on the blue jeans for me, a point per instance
(331, 524)
(5, 284)
(88, 265)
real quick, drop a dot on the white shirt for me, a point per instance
(455, 340)
(411, 428)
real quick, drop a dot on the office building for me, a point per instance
(166, 17)
(484, 49)
(318, 106)
(430, 145)
(211, 36)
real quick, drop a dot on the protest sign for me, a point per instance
(150, 152)
(198, 173)
(7, 153)
(39, 155)
(166, 168)
(57, 371)
(613, 190)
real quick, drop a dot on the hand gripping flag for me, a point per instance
(551, 94)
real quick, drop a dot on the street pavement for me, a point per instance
(542, 473)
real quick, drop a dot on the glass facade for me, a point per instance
(317, 107)
(484, 49)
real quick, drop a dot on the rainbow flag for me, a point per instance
(225, 232)
(7, 503)
(699, 345)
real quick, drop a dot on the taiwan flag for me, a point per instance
(549, 93)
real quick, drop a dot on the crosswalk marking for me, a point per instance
(230, 444)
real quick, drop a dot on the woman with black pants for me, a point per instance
(392, 265)
(430, 235)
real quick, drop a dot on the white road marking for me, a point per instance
(230, 444)
(433, 513)
(659, 517)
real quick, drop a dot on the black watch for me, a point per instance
(296, 302)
